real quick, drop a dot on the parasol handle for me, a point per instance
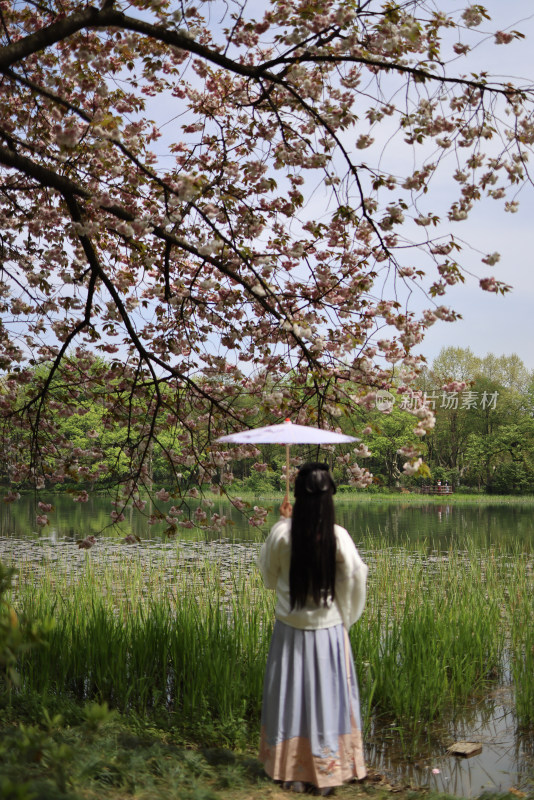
(287, 472)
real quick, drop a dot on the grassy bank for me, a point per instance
(78, 751)
(396, 496)
(83, 750)
(456, 499)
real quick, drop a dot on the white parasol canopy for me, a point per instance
(287, 433)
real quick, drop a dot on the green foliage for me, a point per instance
(511, 478)
(482, 444)
(390, 432)
(11, 639)
(188, 656)
(261, 483)
(484, 437)
(15, 790)
(16, 636)
(36, 745)
(96, 715)
(130, 757)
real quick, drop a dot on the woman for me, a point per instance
(311, 733)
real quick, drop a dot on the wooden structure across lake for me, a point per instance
(443, 489)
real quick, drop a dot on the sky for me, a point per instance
(495, 323)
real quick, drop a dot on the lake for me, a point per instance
(507, 760)
(399, 522)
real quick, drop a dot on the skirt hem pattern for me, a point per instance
(311, 729)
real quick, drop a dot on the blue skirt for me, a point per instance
(310, 724)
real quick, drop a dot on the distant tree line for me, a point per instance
(484, 436)
(483, 439)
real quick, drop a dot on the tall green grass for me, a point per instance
(192, 644)
(520, 617)
(439, 629)
(431, 637)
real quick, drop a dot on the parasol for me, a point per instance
(287, 433)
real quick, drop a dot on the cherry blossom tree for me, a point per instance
(214, 214)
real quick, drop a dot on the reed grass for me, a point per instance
(520, 608)
(192, 644)
(439, 628)
(431, 636)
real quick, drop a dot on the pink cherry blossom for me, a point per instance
(166, 281)
(412, 467)
(82, 497)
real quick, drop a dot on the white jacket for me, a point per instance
(351, 575)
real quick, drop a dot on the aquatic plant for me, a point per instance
(152, 635)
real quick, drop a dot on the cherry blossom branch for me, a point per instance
(420, 74)
(108, 16)
(69, 188)
(66, 104)
(41, 396)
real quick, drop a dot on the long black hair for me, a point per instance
(313, 544)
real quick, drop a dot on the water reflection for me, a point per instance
(443, 510)
(444, 524)
(506, 760)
